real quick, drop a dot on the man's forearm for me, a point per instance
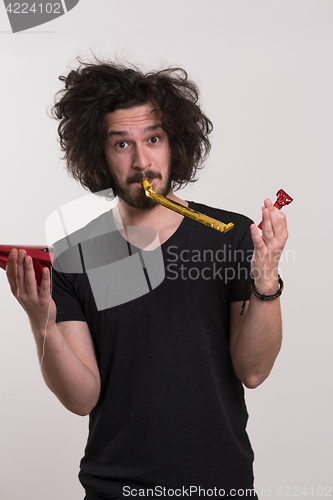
(74, 384)
(259, 341)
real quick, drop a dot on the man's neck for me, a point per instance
(162, 219)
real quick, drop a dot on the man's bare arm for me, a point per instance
(69, 364)
(255, 337)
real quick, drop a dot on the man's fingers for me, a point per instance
(278, 223)
(30, 278)
(267, 227)
(256, 238)
(11, 270)
(20, 272)
(36, 301)
(44, 292)
(25, 277)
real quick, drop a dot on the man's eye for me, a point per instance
(121, 144)
(154, 139)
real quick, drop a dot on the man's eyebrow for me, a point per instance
(151, 128)
(117, 132)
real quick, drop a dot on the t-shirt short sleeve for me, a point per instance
(242, 256)
(65, 298)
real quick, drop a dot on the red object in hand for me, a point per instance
(41, 257)
(283, 199)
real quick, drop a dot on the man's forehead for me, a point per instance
(137, 116)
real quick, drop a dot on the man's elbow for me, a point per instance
(80, 412)
(253, 381)
(80, 409)
(81, 405)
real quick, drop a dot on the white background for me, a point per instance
(266, 75)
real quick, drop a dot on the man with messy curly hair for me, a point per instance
(161, 376)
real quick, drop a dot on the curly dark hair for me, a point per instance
(95, 89)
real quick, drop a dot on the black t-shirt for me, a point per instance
(171, 411)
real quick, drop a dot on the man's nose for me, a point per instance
(141, 159)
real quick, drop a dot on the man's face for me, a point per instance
(136, 149)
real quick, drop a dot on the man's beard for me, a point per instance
(139, 200)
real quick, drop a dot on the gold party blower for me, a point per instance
(187, 212)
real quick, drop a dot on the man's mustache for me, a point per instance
(139, 176)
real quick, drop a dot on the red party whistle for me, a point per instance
(41, 257)
(282, 199)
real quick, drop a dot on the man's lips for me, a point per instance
(140, 182)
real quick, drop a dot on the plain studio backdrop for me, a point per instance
(265, 72)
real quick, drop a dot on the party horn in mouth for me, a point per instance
(187, 212)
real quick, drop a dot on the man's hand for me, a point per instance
(268, 248)
(69, 367)
(35, 300)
